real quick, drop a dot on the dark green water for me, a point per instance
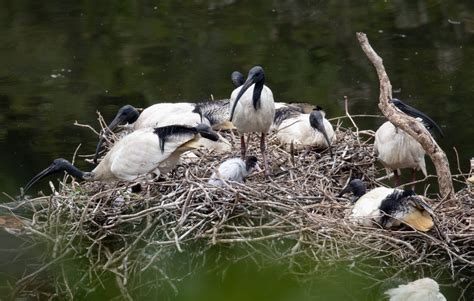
(61, 61)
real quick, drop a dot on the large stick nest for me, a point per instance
(124, 233)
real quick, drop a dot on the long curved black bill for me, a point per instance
(244, 88)
(345, 190)
(46, 172)
(411, 111)
(98, 147)
(316, 120)
(323, 131)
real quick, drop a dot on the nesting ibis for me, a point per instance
(304, 130)
(213, 113)
(145, 151)
(388, 207)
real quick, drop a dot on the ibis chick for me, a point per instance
(235, 170)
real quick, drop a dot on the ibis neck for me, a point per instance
(75, 172)
(257, 93)
(359, 191)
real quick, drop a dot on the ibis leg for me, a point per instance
(264, 154)
(413, 179)
(243, 148)
(397, 177)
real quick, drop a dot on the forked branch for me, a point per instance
(408, 124)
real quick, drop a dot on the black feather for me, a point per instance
(284, 113)
(250, 162)
(216, 111)
(172, 130)
(394, 203)
(411, 111)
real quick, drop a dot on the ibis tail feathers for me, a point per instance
(420, 220)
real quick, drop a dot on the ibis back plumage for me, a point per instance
(304, 130)
(389, 207)
(140, 153)
(425, 289)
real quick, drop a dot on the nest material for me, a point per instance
(124, 233)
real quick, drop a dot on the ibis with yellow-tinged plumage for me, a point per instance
(388, 207)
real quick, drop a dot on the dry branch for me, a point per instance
(409, 124)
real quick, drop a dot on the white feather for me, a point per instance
(138, 154)
(246, 119)
(163, 114)
(425, 289)
(173, 116)
(230, 170)
(366, 209)
(396, 149)
(299, 131)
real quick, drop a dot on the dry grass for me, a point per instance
(121, 233)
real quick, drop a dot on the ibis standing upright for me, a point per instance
(396, 149)
(253, 109)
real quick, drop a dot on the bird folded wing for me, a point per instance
(420, 220)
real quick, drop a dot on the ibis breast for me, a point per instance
(248, 119)
(396, 149)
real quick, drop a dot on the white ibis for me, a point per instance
(234, 169)
(213, 113)
(424, 289)
(388, 207)
(253, 109)
(395, 149)
(302, 107)
(303, 130)
(138, 154)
